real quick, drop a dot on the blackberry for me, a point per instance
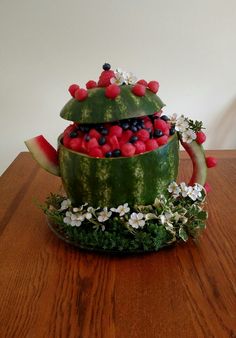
(134, 129)
(116, 152)
(125, 125)
(86, 128)
(158, 133)
(104, 131)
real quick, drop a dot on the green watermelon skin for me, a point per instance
(109, 182)
(99, 109)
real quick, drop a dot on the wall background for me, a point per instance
(188, 46)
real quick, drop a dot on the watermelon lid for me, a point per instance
(116, 96)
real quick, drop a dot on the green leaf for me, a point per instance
(183, 234)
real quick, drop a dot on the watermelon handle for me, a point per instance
(44, 153)
(197, 155)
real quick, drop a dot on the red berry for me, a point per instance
(112, 91)
(157, 113)
(207, 187)
(140, 147)
(162, 140)
(114, 143)
(72, 89)
(69, 129)
(139, 90)
(211, 162)
(91, 84)
(105, 78)
(143, 135)
(81, 94)
(115, 130)
(83, 148)
(151, 144)
(167, 131)
(153, 86)
(95, 152)
(148, 124)
(92, 143)
(75, 143)
(201, 137)
(105, 148)
(127, 150)
(161, 124)
(142, 82)
(94, 133)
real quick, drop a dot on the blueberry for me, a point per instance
(165, 118)
(73, 134)
(139, 126)
(172, 130)
(106, 66)
(108, 154)
(116, 152)
(99, 127)
(158, 133)
(125, 125)
(133, 139)
(134, 122)
(86, 128)
(87, 138)
(134, 129)
(102, 140)
(104, 131)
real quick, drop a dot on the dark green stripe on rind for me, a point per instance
(97, 108)
(111, 182)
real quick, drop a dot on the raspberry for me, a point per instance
(167, 131)
(151, 144)
(114, 143)
(207, 187)
(69, 129)
(127, 150)
(72, 89)
(105, 78)
(93, 143)
(162, 140)
(153, 86)
(95, 152)
(142, 82)
(143, 135)
(94, 133)
(75, 144)
(81, 94)
(148, 124)
(91, 84)
(139, 90)
(201, 137)
(105, 148)
(211, 162)
(161, 124)
(157, 113)
(83, 148)
(112, 91)
(139, 147)
(115, 130)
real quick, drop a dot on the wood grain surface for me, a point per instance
(48, 289)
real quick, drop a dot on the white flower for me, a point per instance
(184, 189)
(122, 76)
(88, 215)
(165, 218)
(65, 204)
(122, 209)
(104, 215)
(174, 189)
(71, 219)
(173, 118)
(181, 124)
(136, 220)
(188, 136)
(131, 78)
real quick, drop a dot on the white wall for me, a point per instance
(189, 46)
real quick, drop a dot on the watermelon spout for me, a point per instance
(44, 153)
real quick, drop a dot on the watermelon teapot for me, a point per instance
(120, 148)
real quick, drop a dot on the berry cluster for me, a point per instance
(121, 138)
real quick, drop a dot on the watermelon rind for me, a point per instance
(98, 109)
(113, 181)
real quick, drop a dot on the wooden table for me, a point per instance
(48, 289)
